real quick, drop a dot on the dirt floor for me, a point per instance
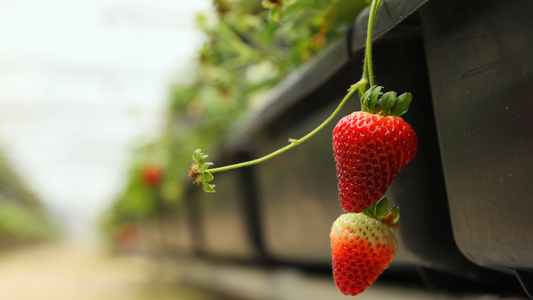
(64, 271)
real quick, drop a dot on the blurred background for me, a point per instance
(96, 97)
(82, 85)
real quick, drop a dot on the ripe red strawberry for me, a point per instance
(371, 146)
(151, 175)
(363, 246)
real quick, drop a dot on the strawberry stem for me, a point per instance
(293, 142)
(368, 71)
(200, 168)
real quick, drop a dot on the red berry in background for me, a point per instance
(362, 248)
(151, 175)
(370, 149)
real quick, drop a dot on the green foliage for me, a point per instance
(19, 223)
(12, 187)
(22, 217)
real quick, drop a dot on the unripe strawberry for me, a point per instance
(362, 248)
(371, 147)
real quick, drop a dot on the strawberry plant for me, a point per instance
(370, 147)
(243, 57)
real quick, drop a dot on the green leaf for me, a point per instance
(207, 176)
(370, 211)
(196, 155)
(275, 8)
(374, 97)
(205, 166)
(370, 98)
(208, 188)
(269, 4)
(387, 101)
(382, 207)
(275, 14)
(401, 105)
(388, 104)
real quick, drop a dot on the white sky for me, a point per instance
(80, 83)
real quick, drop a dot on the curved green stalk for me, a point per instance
(368, 71)
(293, 142)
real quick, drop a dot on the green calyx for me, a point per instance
(380, 210)
(375, 102)
(200, 173)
